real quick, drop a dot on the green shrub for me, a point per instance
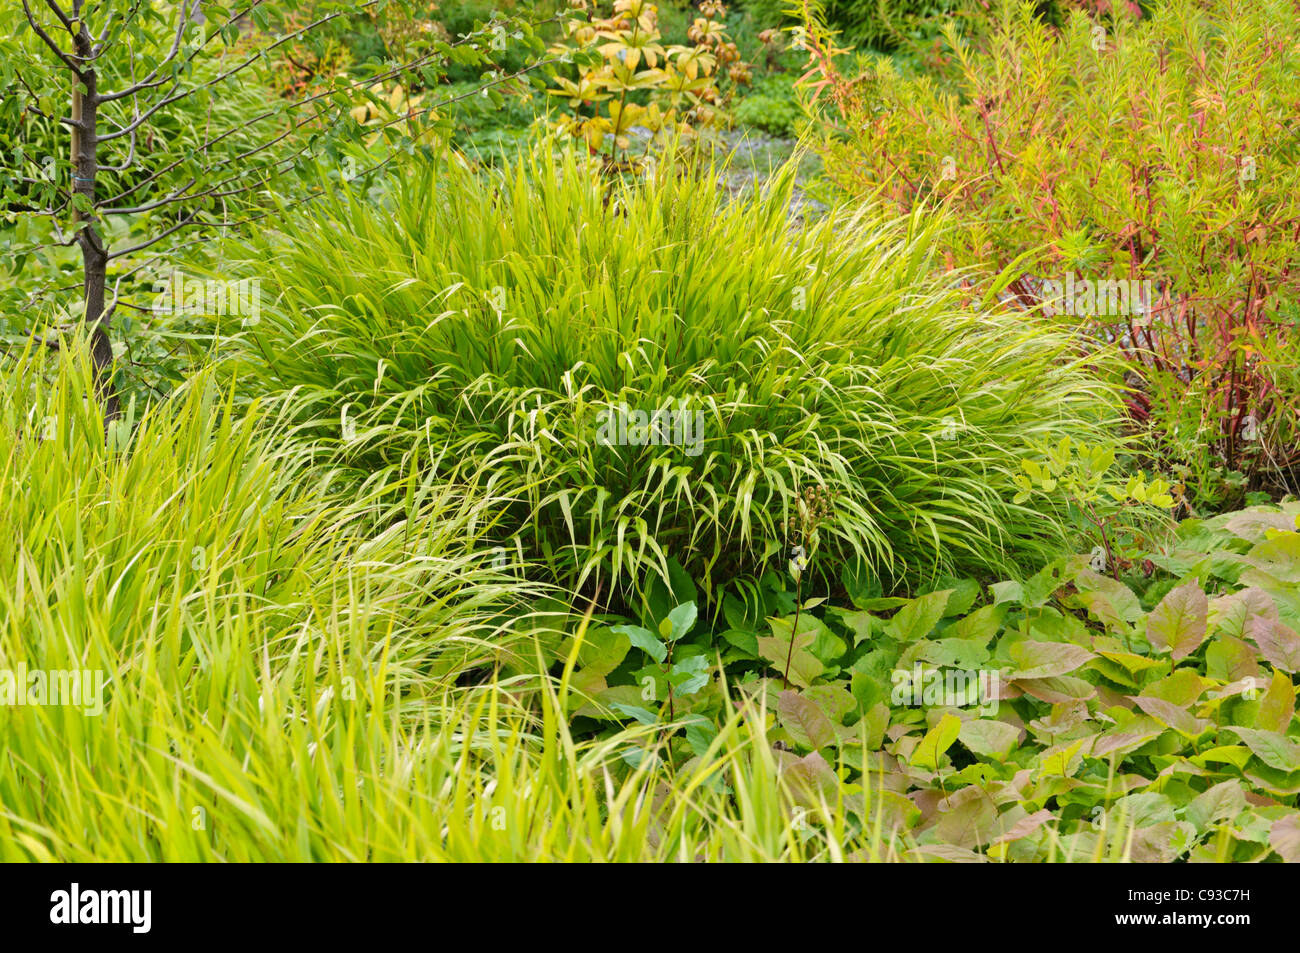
(462, 17)
(771, 107)
(1158, 153)
(493, 323)
(874, 24)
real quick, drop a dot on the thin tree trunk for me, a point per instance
(94, 256)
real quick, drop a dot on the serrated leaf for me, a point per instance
(1143, 809)
(835, 700)
(804, 666)
(980, 626)
(1118, 595)
(1231, 614)
(1230, 659)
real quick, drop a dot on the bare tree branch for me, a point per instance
(67, 58)
(181, 19)
(149, 243)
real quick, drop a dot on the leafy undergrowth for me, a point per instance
(286, 676)
(1069, 716)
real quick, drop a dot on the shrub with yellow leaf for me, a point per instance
(627, 76)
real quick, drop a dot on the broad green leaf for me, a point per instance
(1235, 755)
(962, 595)
(953, 653)
(806, 723)
(1139, 810)
(1274, 749)
(1058, 689)
(1121, 742)
(1277, 642)
(637, 712)
(1223, 802)
(1117, 594)
(1008, 591)
(970, 823)
(775, 649)
(601, 707)
(937, 740)
(980, 626)
(1022, 826)
(1229, 659)
(893, 811)
(814, 635)
(1134, 664)
(680, 621)
(1231, 614)
(1041, 586)
(700, 733)
(1284, 837)
(1161, 843)
(1277, 704)
(744, 641)
(1178, 624)
(876, 722)
(861, 624)
(1167, 713)
(1046, 659)
(916, 619)
(835, 700)
(809, 779)
(645, 640)
(1062, 760)
(989, 737)
(602, 649)
(1270, 780)
(689, 675)
(1100, 608)
(1279, 557)
(1182, 687)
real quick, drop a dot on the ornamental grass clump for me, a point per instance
(650, 373)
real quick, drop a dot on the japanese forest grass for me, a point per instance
(492, 319)
(280, 671)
